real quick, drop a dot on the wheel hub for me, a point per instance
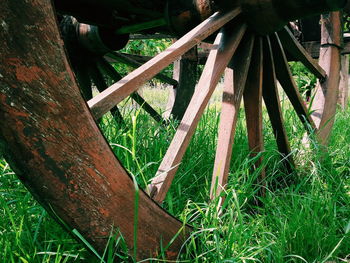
(267, 16)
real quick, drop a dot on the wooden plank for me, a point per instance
(101, 103)
(285, 78)
(325, 100)
(313, 47)
(252, 97)
(226, 44)
(109, 70)
(272, 102)
(296, 50)
(235, 78)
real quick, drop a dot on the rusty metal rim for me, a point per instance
(55, 147)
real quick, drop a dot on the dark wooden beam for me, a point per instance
(313, 47)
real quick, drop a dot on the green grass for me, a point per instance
(308, 221)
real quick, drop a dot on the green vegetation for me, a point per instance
(145, 47)
(308, 221)
(303, 78)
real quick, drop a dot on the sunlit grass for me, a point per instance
(308, 221)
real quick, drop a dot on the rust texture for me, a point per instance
(53, 144)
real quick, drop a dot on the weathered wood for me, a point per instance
(129, 60)
(344, 82)
(235, 79)
(285, 78)
(272, 102)
(252, 97)
(313, 48)
(53, 144)
(325, 100)
(100, 104)
(109, 70)
(218, 59)
(296, 50)
(185, 72)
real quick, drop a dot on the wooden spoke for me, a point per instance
(252, 97)
(235, 79)
(101, 85)
(185, 71)
(325, 100)
(219, 57)
(298, 52)
(272, 102)
(101, 103)
(123, 58)
(285, 78)
(84, 81)
(146, 107)
(109, 70)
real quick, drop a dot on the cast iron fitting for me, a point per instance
(267, 16)
(100, 40)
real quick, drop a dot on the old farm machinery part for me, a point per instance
(49, 134)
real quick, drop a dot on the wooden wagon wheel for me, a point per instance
(52, 142)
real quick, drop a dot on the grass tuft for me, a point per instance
(308, 221)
